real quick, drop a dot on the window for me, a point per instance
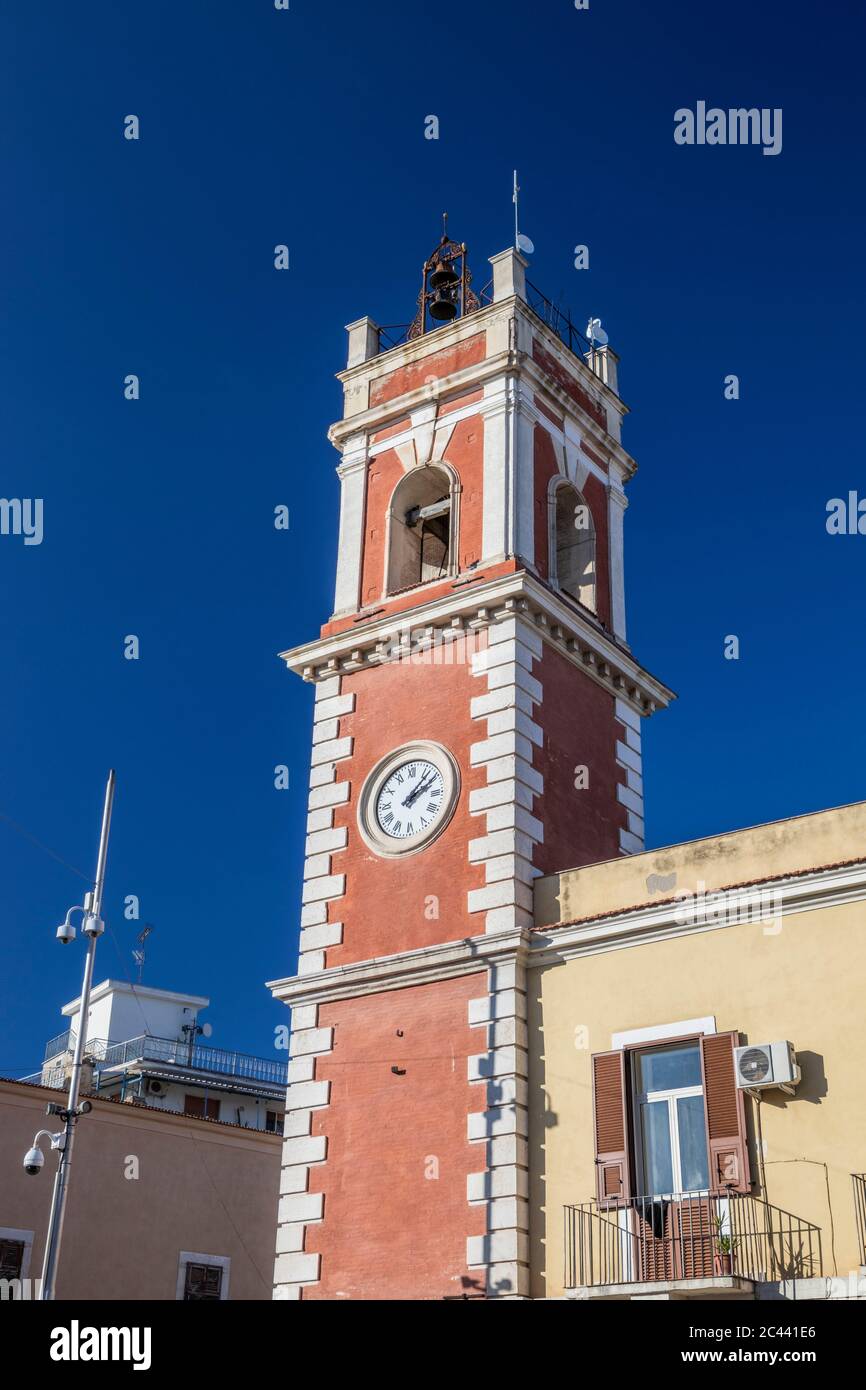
(574, 545)
(201, 1107)
(202, 1278)
(669, 1118)
(11, 1258)
(16, 1247)
(202, 1284)
(669, 1121)
(421, 529)
(274, 1122)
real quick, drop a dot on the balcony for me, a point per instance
(170, 1052)
(685, 1246)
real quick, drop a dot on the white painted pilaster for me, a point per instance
(616, 505)
(352, 473)
(299, 1208)
(496, 525)
(501, 1132)
(508, 736)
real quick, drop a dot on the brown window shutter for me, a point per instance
(727, 1146)
(610, 1117)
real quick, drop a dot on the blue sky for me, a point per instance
(155, 257)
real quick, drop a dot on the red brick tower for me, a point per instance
(477, 722)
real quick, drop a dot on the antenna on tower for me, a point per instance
(138, 956)
(521, 242)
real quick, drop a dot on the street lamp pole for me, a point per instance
(93, 926)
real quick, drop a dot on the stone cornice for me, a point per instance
(424, 966)
(585, 374)
(410, 633)
(806, 892)
(378, 417)
(428, 345)
(509, 361)
(539, 381)
(546, 947)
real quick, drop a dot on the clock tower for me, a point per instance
(476, 723)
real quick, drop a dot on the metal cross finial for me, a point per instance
(444, 226)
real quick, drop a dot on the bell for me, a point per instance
(443, 306)
(443, 277)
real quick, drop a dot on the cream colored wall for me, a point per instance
(780, 847)
(201, 1188)
(804, 984)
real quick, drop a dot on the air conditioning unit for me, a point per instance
(156, 1088)
(766, 1064)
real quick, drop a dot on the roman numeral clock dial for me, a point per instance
(408, 799)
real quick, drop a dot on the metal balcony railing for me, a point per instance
(859, 1181)
(559, 321)
(687, 1236)
(64, 1042)
(556, 318)
(169, 1051)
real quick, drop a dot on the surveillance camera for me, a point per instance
(33, 1161)
(65, 933)
(85, 1107)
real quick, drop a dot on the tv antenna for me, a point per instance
(138, 955)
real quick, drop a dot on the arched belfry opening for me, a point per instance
(421, 528)
(574, 568)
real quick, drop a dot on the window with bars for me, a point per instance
(203, 1283)
(11, 1258)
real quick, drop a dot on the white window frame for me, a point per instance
(671, 1096)
(191, 1257)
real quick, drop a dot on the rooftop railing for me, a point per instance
(172, 1052)
(557, 319)
(64, 1042)
(687, 1236)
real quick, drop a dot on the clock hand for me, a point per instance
(413, 796)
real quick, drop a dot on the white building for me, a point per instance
(145, 1047)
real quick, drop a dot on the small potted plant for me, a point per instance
(726, 1246)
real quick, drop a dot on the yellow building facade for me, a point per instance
(656, 1170)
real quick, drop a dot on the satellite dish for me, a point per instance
(207, 1030)
(524, 244)
(595, 333)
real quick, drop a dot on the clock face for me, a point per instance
(411, 800)
(408, 799)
